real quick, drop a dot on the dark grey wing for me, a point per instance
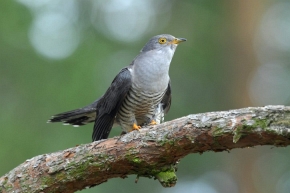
(166, 100)
(109, 104)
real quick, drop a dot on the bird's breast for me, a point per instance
(150, 72)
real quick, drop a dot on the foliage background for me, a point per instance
(60, 55)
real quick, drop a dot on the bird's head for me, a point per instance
(162, 41)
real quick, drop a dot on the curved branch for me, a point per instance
(151, 152)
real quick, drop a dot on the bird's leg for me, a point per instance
(153, 122)
(135, 127)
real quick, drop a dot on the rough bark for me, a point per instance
(151, 152)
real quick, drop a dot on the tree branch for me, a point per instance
(151, 152)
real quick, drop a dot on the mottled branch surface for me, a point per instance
(151, 152)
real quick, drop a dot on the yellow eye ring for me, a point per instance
(162, 40)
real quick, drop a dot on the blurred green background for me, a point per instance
(61, 55)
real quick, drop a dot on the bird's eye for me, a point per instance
(162, 40)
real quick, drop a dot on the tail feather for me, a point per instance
(77, 117)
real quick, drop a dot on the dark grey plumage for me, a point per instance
(139, 95)
(108, 105)
(77, 117)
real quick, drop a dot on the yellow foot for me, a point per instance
(153, 122)
(135, 127)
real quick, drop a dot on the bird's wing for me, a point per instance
(109, 104)
(166, 100)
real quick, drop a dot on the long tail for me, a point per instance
(77, 117)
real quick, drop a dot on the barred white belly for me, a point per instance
(140, 108)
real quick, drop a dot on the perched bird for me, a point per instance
(139, 95)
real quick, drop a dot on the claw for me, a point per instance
(153, 122)
(135, 127)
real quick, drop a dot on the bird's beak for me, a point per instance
(178, 40)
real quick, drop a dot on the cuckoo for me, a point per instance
(139, 95)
